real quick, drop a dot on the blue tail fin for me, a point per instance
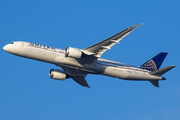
(154, 63)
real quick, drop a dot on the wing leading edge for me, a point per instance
(98, 49)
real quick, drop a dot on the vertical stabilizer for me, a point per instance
(154, 63)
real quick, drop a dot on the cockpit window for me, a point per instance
(12, 43)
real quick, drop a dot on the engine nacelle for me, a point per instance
(73, 52)
(57, 74)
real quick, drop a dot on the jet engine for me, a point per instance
(57, 74)
(73, 52)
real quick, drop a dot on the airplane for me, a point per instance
(77, 63)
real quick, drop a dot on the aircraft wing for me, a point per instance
(80, 80)
(98, 49)
(77, 75)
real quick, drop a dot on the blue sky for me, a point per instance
(27, 92)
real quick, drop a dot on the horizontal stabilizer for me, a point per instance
(155, 82)
(162, 70)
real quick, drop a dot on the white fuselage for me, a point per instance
(57, 56)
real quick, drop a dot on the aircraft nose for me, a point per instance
(5, 48)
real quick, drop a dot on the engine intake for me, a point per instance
(57, 74)
(73, 52)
